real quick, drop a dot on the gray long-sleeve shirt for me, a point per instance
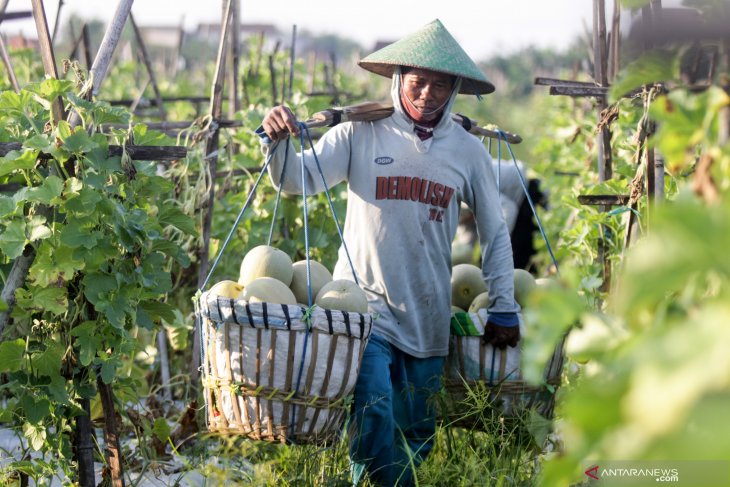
(402, 214)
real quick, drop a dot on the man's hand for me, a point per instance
(501, 336)
(279, 123)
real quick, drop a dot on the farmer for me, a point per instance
(407, 175)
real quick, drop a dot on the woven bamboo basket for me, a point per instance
(476, 374)
(277, 372)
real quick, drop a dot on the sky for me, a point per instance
(483, 27)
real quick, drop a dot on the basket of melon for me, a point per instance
(478, 374)
(275, 368)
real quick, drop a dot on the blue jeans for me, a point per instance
(393, 421)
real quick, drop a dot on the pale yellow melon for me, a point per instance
(266, 261)
(466, 284)
(319, 275)
(343, 295)
(480, 302)
(268, 290)
(524, 285)
(456, 309)
(227, 289)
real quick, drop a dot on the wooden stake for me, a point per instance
(111, 437)
(148, 66)
(292, 60)
(234, 101)
(8, 65)
(216, 105)
(55, 24)
(49, 60)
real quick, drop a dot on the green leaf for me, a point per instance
(105, 113)
(48, 362)
(86, 341)
(51, 299)
(108, 371)
(161, 429)
(52, 88)
(36, 435)
(40, 142)
(84, 200)
(12, 239)
(7, 205)
(170, 215)
(76, 234)
(158, 309)
(35, 410)
(652, 67)
(98, 288)
(11, 355)
(173, 250)
(51, 188)
(17, 160)
(79, 142)
(53, 264)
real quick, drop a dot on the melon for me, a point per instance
(466, 284)
(456, 309)
(319, 276)
(524, 285)
(480, 302)
(547, 283)
(461, 253)
(227, 289)
(343, 295)
(266, 261)
(268, 290)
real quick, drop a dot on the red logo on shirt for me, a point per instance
(415, 189)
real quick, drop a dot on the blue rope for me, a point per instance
(304, 128)
(278, 195)
(240, 215)
(502, 135)
(307, 318)
(499, 164)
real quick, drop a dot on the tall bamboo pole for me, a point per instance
(55, 23)
(234, 100)
(47, 55)
(292, 60)
(148, 66)
(8, 65)
(216, 107)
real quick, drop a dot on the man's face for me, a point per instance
(427, 90)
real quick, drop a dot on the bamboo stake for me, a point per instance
(292, 60)
(234, 101)
(109, 44)
(55, 24)
(111, 437)
(84, 445)
(49, 60)
(148, 66)
(8, 65)
(216, 105)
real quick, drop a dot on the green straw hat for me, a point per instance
(431, 48)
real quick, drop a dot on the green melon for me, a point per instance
(268, 290)
(524, 285)
(343, 295)
(547, 283)
(227, 289)
(319, 276)
(480, 302)
(456, 309)
(461, 253)
(466, 284)
(266, 261)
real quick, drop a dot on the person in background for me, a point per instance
(407, 175)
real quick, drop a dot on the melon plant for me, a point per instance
(466, 284)
(268, 290)
(266, 261)
(319, 276)
(343, 295)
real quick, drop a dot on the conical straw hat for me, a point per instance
(431, 48)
